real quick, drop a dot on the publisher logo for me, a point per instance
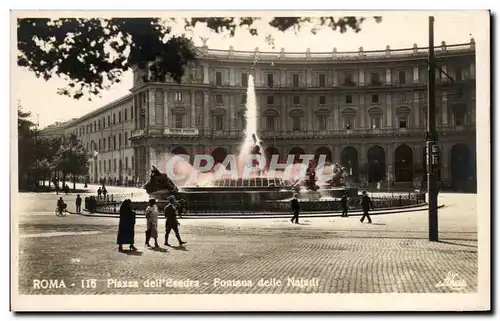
(452, 281)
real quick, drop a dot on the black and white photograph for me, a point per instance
(183, 161)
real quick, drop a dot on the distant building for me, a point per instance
(365, 109)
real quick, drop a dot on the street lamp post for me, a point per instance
(431, 139)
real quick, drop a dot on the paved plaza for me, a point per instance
(320, 255)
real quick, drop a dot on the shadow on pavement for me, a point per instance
(130, 252)
(378, 224)
(459, 244)
(180, 248)
(158, 249)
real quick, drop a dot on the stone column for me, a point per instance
(363, 156)
(309, 78)
(282, 77)
(361, 79)
(151, 107)
(389, 161)
(165, 108)
(388, 76)
(336, 153)
(283, 114)
(415, 75)
(417, 150)
(472, 71)
(206, 76)
(231, 76)
(361, 111)
(335, 79)
(336, 113)
(416, 108)
(232, 112)
(444, 151)
(193, 109)
(206, 110)
(389, 111)
(444, 106)
(310, 114)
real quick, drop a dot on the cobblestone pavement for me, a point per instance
(321, 255)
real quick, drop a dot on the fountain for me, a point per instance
(252, 187)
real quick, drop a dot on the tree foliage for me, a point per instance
(39, 157)
(92, 54)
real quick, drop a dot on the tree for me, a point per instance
(93, 54)
(26, 145)
(73, 159)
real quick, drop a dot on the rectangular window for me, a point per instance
(119, 140)
(270, 122)
(375, 77)
(126, 139)
(348, 99)
(99, 145)
(119, 117)
(348, 79)
(125, 114)
(114, 119)
(270, 80)
(243, 99)
(99, 125)
(219, 122)
(375, 122)
(95, 126)
(132, 162)
(375, 99)
(402, 77)
(179, 121)
(270, 100)
(131, 112)
(348, 122)
(114, 164)
(296, 123)
(100, 168)
(322, 80)
(322, 100)
(218, 99)
(403, 122)
(114, 141)
(109, 165)
(403, 96)
(104, 169)
(126, 163)
(296, 100)
(321, 122)
(178, 96)
(244, 79)
(296, 80)
(218, 78)
(109, 142)
(104, 144)
(458, 74)
(109, 120)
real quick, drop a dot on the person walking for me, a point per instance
(366, 204)
(295, 209)
(152, 223)
(171, 222)
(78, 204)
(126, 226)
(99, 192)
(343, 204)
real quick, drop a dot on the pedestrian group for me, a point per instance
(366, 205)
(126, 228)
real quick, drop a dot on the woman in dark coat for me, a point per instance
(126, 226)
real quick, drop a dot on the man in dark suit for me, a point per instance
(343, 204)
(366, 204)
(295, 209)
(171, 221)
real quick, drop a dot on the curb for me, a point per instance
(287, 215)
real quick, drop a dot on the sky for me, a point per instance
(397, 29)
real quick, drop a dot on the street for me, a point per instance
(320, 255)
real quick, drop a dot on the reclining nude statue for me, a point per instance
(158, 182)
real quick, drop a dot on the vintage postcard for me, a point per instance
(250, 161)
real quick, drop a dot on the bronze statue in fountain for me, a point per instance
(160, 182)
(338, 176)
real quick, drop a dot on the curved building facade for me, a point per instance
(364, 109)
